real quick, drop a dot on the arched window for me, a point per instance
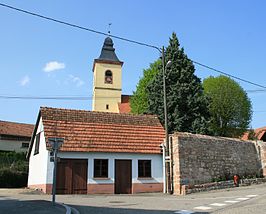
(108, 77)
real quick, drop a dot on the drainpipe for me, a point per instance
(164, 177)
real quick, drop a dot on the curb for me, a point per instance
(68, 209)
(74, 210)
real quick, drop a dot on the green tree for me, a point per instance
(230, 106)
(186, 104)
(139, 100)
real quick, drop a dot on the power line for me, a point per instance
(256, 91)
(79, 27)
(65, 97)
(50, 97)
(123, 39)
(232, 76)
(44, 98)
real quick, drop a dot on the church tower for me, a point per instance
(107, 79)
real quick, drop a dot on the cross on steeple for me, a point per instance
(109, 28)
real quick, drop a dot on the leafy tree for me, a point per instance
(139, 100)
(186, 104)
(230, 106)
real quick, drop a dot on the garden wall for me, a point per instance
(199, 159)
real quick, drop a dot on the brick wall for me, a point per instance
(199, 159)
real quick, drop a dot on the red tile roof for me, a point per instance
(259, 132)
(87, 131)
(16, 129)
(124, 106)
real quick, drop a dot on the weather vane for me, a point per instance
(109, 28)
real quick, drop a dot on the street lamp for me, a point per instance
(167, 158)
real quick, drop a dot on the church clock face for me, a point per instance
(108, 77)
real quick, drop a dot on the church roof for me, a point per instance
(108, 51)
(89, 131)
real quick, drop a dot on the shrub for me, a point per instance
(10, 178)
(13, 170)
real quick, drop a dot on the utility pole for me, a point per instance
(56, 143)
(167, 154)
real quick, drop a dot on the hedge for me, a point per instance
(13, 170)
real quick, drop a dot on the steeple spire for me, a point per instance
(108, 51)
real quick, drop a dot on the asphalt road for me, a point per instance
(16, 206)
(244, 200)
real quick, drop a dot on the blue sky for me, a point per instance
(227, 35)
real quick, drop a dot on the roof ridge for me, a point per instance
(5, 121)
(100, 112)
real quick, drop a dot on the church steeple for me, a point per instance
(107, 81)
(108, 51)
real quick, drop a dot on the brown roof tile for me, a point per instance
(259, 132)
(103, 132)
(16, 129)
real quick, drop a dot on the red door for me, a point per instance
(71, 177)
(123, 177)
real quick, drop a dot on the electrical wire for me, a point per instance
(232, 76)
(256, 91)
(52, 97)
(123, 39)
(79, 27)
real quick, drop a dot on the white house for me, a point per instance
(102, 152)
(15, 136)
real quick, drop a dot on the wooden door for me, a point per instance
(79, 176)
(71, 176)
(123, 177)
(63, 177)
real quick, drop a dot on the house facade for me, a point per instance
(15, 136)
(102, 152)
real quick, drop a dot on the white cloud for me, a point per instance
(76, 80)
(24, 81)
(53, 66)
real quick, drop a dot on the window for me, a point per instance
(144, 168)
(108, 77)
(107, 106)
(101, 168)
(37, 143)
(24, 145)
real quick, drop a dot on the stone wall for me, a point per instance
(199, 159)
(222, 185)
(262, 146)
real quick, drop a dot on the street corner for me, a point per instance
(14, 206)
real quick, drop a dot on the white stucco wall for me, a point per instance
(13, 145)
(156, 165)
(38, 163)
